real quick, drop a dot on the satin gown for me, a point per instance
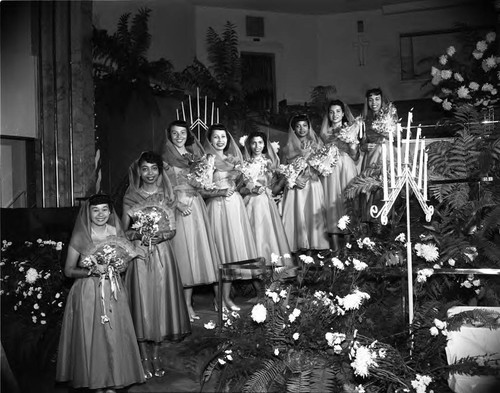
(335, 184)
(193, 243)
(156, 295)
(266, 223)
(230, 225)
(304, 214)
(95, 355)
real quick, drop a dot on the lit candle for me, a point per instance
(384, 172)
(426, 158)
(183, 112)
(415, 153)
(408, 133)
(398, 147)
(391, 159)
(190, 110)
(421, 163)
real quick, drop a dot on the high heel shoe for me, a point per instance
(159, 371)
(146, 365)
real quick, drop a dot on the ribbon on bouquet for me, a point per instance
(111, 275)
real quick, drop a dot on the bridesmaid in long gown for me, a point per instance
(265, 219)
(337, 122)
(155, 288)
(228, 217)
(93, 354)
(194, 245)
(304, 213)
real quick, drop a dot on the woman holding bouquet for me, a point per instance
(226, 211)
(97, 347)
(155, 288)
(193, 244)
(341, 129)
(265, 219)
(304, 213)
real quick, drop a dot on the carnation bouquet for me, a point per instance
(324, 159)
(252, 169)
(385, 121)
(293, 170)
(107, 259)
(349, 133)
(201, 172)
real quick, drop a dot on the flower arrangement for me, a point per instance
(386, 119)
(349, 133)
(201, 172)
(324, 159)
(473, 80)
(152, 218)
(293, 170)
(252, 169)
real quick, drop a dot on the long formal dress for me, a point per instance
(193, 243)
(155, 288)
(335, 183)
(230, 225)
(93, 354)
(265, 221)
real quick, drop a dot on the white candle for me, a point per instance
(426, 157)
(391, 159)
(183, 112)
(198, 101)
(177, 114)
(190, 110)
(408, 133)
(415, 153)
(217, 115)
(398, 147)
(421, 163)
(212, 117)
(384, 172)
(205, 117)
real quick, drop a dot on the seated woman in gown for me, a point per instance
(97, 347)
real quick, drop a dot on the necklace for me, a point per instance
(150, 192)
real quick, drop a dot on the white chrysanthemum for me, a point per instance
(337, 263)
(474, 86)
(276, 351)
(420, 383)
(491, 36)
(358, 265)
(489, 63)
(291, 318)
(446, 74)
(476, 282)
(435, 71)
(423, 274)
(446, 91)
(296, 336)
(334, 338)
(343, 222)
(446, 105)
(477, 54)
(451, 51)
(273, 295)
(353, 300)
(436, 79)
(400, 238)
(458, 77)
(359, 389)
(259, 313)
(443, 59)
(466, 284)
(481, 46)
(451, 262)
(296, 312)
(243, 140)
(363, 360)
(427, 251)
(463, 92)
(31, 275)
(348, 245)
(487, 87)
(306, 259)
(367, 242)
(437, 99)
(439, 324)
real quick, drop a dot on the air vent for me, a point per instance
(255, 26)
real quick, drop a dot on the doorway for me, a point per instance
(259, 81)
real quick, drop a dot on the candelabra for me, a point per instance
(403, 174)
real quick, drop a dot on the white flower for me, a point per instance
(39, 241)
(273, 295)
(296, 336)
(31, 275)
(296, 312)
(427, 251)
(463, 92)
(353, 300)
(420, 383)
(489, 63)
(259, 313)
(358, 265)
(306, 259)
(348, 245)
(222, 361)
(283, 293)
(59, 304)
(275, 258)
(291, 318)
(446, 74)
(473, 86)
(481, 46)
(243, 140)
(437, 99)
(451, 262)
(337, 263)
(286, 256)
(400, 238)
(275, 145)
(43, 322)
(491, 36)
(210, 325)
(343, 222)
(436, 79)
(451, 51)
(466, 284)
(359, 389)
(487, 87)
(423, 274)
(363, 360)
(435, 71)
(458, 77)
(439, 324)
(367, 242)
(334, 338)
(443, 59)
(276, 351)
(36, 306)
(477, 54)
(446, 105)
(476, 282)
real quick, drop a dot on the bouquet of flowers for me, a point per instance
(385, 120)
(293, 170)
(324, 159)
(349, 133)
(201, 172)
(108, 259)
(252, 169)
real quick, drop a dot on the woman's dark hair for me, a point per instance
(151, 158)
(260, 134)
(298, 118)
(342, 106)
(218, 127)
(101, 199)
(377, 91)
(183, 124)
